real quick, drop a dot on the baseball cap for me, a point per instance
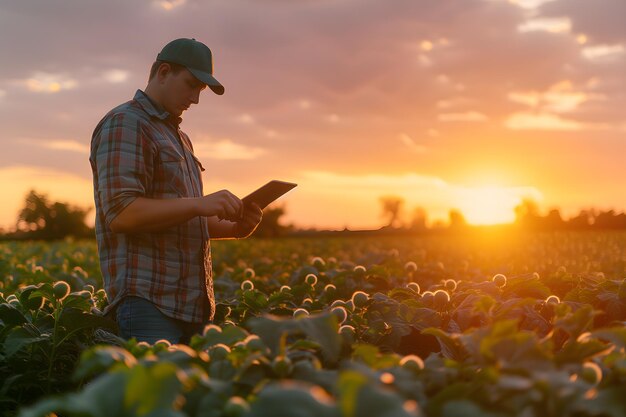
(196, 57)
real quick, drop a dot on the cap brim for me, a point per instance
(209, 80)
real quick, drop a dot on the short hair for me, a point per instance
(176, 68)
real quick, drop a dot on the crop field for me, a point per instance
(494, 324)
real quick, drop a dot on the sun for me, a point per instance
(488, 205)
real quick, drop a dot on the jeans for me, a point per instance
(139, 318)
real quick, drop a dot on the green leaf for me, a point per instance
(21, 337)
(349, 385)
(578, 322)
(11, 316)
(102, 358)
(228, 336)
(321, 328)
(615, 335)
(578, 352)
(279, 297)
(361, 396)
(371, 356)
(255, 299)
(152, 388)
(463, 408)
(293, 399)
(74, 319)
(75, 301)
(103, 397)
(608, 402)
(451, 346)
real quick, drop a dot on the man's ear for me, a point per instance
(163, 71)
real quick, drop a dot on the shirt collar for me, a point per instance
(154, 110)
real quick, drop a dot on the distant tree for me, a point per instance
(527, 213)
(270, 223)
(609, 220)
(581, 221)
(457, 220)
(392, 206)
(40, 219)
(418, 219)
(553, 220)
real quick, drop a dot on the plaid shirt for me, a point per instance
(137, 150)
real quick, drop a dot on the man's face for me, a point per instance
(181, 90)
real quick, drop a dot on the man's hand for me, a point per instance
(223, 204)
(248, 223)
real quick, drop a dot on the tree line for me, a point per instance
(41, 218)
(527, 216)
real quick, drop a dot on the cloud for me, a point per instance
(603, 52)
(559, 98)
(411, 144)
(469, 116)
(602, 21)
(168, 5)
(529, 4)
(226, 149)
(455, 102)
(546, 106)
(541, 121)
(115, 76)
(42, 82)
(58, 144)
(332, 118)
(246, 119)
(552, 25)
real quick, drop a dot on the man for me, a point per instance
(153, 223)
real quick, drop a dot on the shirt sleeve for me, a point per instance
(124, 161)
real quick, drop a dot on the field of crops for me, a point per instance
(491, 325)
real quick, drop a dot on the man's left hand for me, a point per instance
(249, 221)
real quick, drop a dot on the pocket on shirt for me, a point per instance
(172, 173)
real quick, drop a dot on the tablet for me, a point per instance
(268, 193)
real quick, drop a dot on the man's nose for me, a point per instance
(195, 97)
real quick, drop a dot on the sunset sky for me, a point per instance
(449, 104)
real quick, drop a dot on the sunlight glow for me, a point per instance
(353, 200)
(489, 205)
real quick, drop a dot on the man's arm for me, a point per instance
(152, 215)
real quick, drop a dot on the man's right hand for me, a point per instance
(223, 204)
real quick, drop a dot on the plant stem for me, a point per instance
(56, 315)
